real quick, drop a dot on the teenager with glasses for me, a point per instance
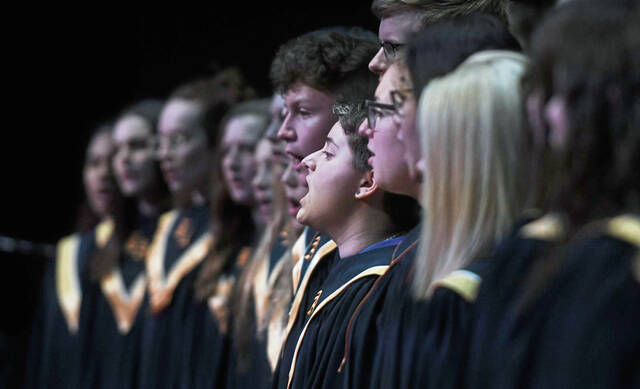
(366, 223)
(312, 71)
(378, 337)
(400, 18)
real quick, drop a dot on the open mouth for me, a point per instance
(294, 206)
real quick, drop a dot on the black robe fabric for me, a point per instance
(319, 348)
(320, 260)
(590, 337)
(572, 319)
(55, 350)
(504, 284)
(112, 355)
(255, 373)
(376, 325)
(435, 334)
(165, 333)
(206, 355)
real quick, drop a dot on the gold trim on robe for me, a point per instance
(68, 287)
(297, 252)
(124, 305)
(297, 300)
(219, 302)
(548, 227)
(276, 326)
(465, 283)
(625, 228)
(372, 271)
(161, 288)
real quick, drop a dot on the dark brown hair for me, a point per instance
(430, 11)
(587, 54)
(328, 60)
(86, 218)
(215, 95)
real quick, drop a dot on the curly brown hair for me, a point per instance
(330, 60)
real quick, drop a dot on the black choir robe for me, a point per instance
(376, 323)
(112, 356)
(318, 349)
(590, 337)
(206, 344)
(256, 372)
(314, 255)
(62, 322)
(435, 333)
(181, 242)
(498, 325)
(573, 322)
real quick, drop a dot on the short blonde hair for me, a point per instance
(470, 124)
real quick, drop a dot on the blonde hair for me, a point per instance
(470, 124)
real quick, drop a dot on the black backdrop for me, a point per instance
(76, 66)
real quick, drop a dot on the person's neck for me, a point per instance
(149, 205)
(364, 228)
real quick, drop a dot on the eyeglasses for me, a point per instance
(398, 97)
(391, 49)
(377, 110)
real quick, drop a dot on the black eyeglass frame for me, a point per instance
(391, 49)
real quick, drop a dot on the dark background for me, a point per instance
(77, 66)
(68, 68)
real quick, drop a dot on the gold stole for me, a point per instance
(218, 303)
(297, 252)
(125, 305)
(327, 248)
(463, 282)
(161, 288)
(627, 228)
(68, 287)
(372, 271)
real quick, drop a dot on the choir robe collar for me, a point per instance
(265, 279)
(181, 242)
(371, 262)
(304, 252)
(345, 269)
(124, 301)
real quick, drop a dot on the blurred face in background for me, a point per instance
(241, 134)
(266, 171)
(182, 147)
(134, 157)
(97, 178)
(276, 112)
(293, 188)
